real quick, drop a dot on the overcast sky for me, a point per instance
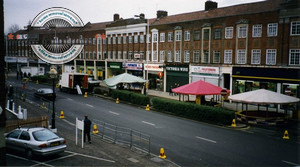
(21, 11)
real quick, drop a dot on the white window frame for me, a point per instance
(136, 38)
(155, 37)
(170, 36)
(186, 58)
(295, 28)
(272, 29)
(169, 56)
(119, 39)
(241, 56)
(215, 58)
(187, 35)
(257, 30)
(155, 56)
(271, 56)
(227, 56)
(255, 56)
(124, 55)
(114, 40)
(162, 37)
(242, 31)
(294, 56)
(129, 39)
(228, 32)
(205, 56)
(177, 56)
(196, 56)
(162, 56)
(178, 35)
(124, 39)
(142, 39)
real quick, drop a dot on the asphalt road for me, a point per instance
(186, 142)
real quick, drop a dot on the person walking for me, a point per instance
(87, 128)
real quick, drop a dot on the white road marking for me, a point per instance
(88, 156)
(113, 113)
(290, 163)
(89, 105)
(70, 123)
(148, 123)
(212, 141)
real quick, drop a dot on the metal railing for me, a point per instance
(122, 135)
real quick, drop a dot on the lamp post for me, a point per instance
(53, 74)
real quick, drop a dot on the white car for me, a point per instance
(35, 141)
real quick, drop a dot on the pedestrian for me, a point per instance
(17, 75)
(171, 93)
(87, 128)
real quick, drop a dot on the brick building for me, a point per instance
(241, 48)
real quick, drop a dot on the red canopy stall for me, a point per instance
(199, 88)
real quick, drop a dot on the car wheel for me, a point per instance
(29, 154)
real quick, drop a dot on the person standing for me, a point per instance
(87, 128)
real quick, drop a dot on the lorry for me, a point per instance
(69, 81)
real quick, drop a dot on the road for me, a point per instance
(186, 142)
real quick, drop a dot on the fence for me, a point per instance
(41, 121)
(122, 135)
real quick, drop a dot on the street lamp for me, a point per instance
(53, 74)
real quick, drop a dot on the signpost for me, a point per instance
(80, 126)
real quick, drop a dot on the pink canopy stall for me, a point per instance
(199, 88)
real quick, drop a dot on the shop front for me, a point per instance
(280, 80)
(114, 68)
(207, 74)
(135, 69)
(155, 76)
(177, 75)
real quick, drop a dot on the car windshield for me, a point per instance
(44, 135)
(47, 90)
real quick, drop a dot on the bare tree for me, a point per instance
(13, 28)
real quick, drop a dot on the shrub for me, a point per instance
(128, 96)
(40, 78)
(193, 111)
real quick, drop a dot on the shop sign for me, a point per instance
(177, 68)
(115, 65)
(22, 60)
(134, 66)
(10, 59)
(153, 67)
(202, 70)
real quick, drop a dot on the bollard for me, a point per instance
(286, 135)
(117, 101)
(147, 108)
(85, 94)
(62, 115)
(233, 123)
(95, 129)
(162, 153)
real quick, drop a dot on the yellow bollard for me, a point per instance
(233, 124)
(95, 129)
(85, 94)
(43, 106)
(57, 85)
(162, 153)
(286, 135)
(117, 101)
(147, 108)
(62, 115)
(37, 82)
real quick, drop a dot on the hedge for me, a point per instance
(40, 78)
(202, 113)
(132, 97)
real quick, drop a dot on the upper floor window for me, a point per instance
(242, 31)
(177, 56)
(256, 32)
(124, 39)
(241, 57)
(136, 39)
(170, 36)
(294, 57)
(272, 29)
(169, 56)
(155, 37)
(178, 35)
(187, 35)
(255, 56)
(119, 39)
(217, 33)
(130, 39)
(108, 40)
(196, 35)
(162, 37)
(271, 57)
(162, 56)
(186, 57)
(227, 56)
(216, 58)
(206, 33)
(295, 28)
(229, 32)
(114, 40)
(141, 38)
(196, 56)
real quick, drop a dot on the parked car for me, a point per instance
(35, 141)
(45, 93)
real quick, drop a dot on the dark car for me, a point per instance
(35, 141)
(45, 93)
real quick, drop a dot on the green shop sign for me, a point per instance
(115, 65)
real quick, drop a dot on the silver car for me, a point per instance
(35, 141)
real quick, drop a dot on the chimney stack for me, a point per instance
(116, 17)
(161, 13)
(209, 5)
